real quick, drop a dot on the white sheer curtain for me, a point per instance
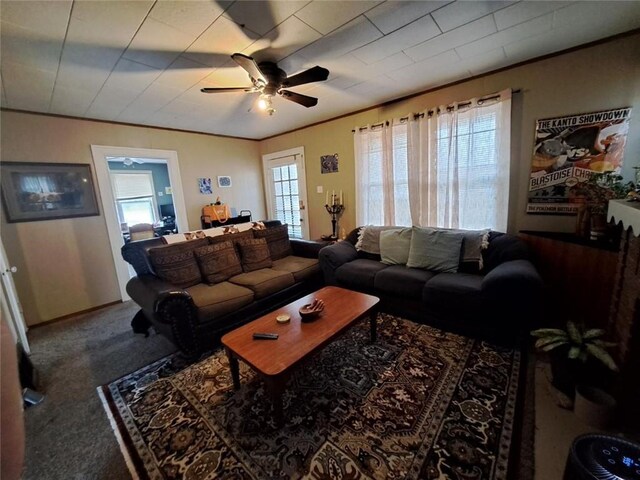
(449, 169)
(382, 190)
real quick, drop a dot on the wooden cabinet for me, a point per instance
(579, 277)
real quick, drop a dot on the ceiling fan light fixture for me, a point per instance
(264, 102)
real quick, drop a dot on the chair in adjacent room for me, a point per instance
(141, 231)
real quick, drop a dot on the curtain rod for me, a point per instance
(431, 112)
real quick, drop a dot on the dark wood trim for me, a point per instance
(81, 312)
(71, 117)
(468, 79)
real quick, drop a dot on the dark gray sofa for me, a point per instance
(194, 318)
(496, 303)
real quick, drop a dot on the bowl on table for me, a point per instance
(312, 310)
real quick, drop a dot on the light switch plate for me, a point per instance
(319, 189)
(160, 194)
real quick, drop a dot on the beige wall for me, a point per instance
(65, 266)
(601, 77)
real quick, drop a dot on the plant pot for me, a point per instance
(594, 406)
(564, 372)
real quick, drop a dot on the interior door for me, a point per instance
(286, 190)
(11, 308)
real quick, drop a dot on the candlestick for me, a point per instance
(334, 210)
(326, 198)
(341, 202)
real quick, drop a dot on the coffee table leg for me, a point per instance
(235, 369)
(373, 320)
(276, 389)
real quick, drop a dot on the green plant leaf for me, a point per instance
(603, 343)
(603, 356)
(593, 333)
(545, 332)
(551, 346)
(574, 333)
(574, 352)
(541, 342)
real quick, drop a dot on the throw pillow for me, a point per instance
(474, 242)
(233, 237)
(435, 250)
(218, 262)
(176, 263)
(194, 235)
(369, 239)
(255, 254)
(278, 241)
(395, 245)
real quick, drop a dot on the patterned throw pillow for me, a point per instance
(258, 226)
(255, 254)
(235, 238)
(194, 235)
(176, 263)
(278, 241)
(230, 229)
(218, 262)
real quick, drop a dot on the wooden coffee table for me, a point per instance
(274, 360)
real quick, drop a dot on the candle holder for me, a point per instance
(335, 209)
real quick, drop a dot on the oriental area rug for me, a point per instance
(419, 403)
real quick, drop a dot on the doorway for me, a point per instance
(101, 156)
(286, 190)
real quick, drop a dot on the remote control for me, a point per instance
(265, 336)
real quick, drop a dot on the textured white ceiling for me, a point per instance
(144, 61)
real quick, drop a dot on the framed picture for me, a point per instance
(47, 191)
(329, 163)
(204, 184)
(224, 182)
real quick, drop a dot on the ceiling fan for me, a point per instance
(269, 80)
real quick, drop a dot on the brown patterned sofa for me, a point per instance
(194, 291)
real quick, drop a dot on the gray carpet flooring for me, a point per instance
(69, 435)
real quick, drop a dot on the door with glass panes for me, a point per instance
(286, 190)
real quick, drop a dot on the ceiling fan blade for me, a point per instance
(314, 74)
(303, 100)
(228, 89)
(250, 65)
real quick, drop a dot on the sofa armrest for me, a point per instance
(513, 281)
(169, 305)
(305, 248)
(149, 292)
(333, 256)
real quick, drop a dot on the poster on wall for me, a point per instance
(567, 151)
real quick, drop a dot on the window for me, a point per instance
(449, 169)
(134, 196)
(383, 177)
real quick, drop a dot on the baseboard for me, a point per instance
(81, 312)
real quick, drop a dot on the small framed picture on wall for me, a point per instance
(224, 181)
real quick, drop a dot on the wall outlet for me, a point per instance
(319, 189)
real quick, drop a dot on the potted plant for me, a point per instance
(578, 356)
(597, 191)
